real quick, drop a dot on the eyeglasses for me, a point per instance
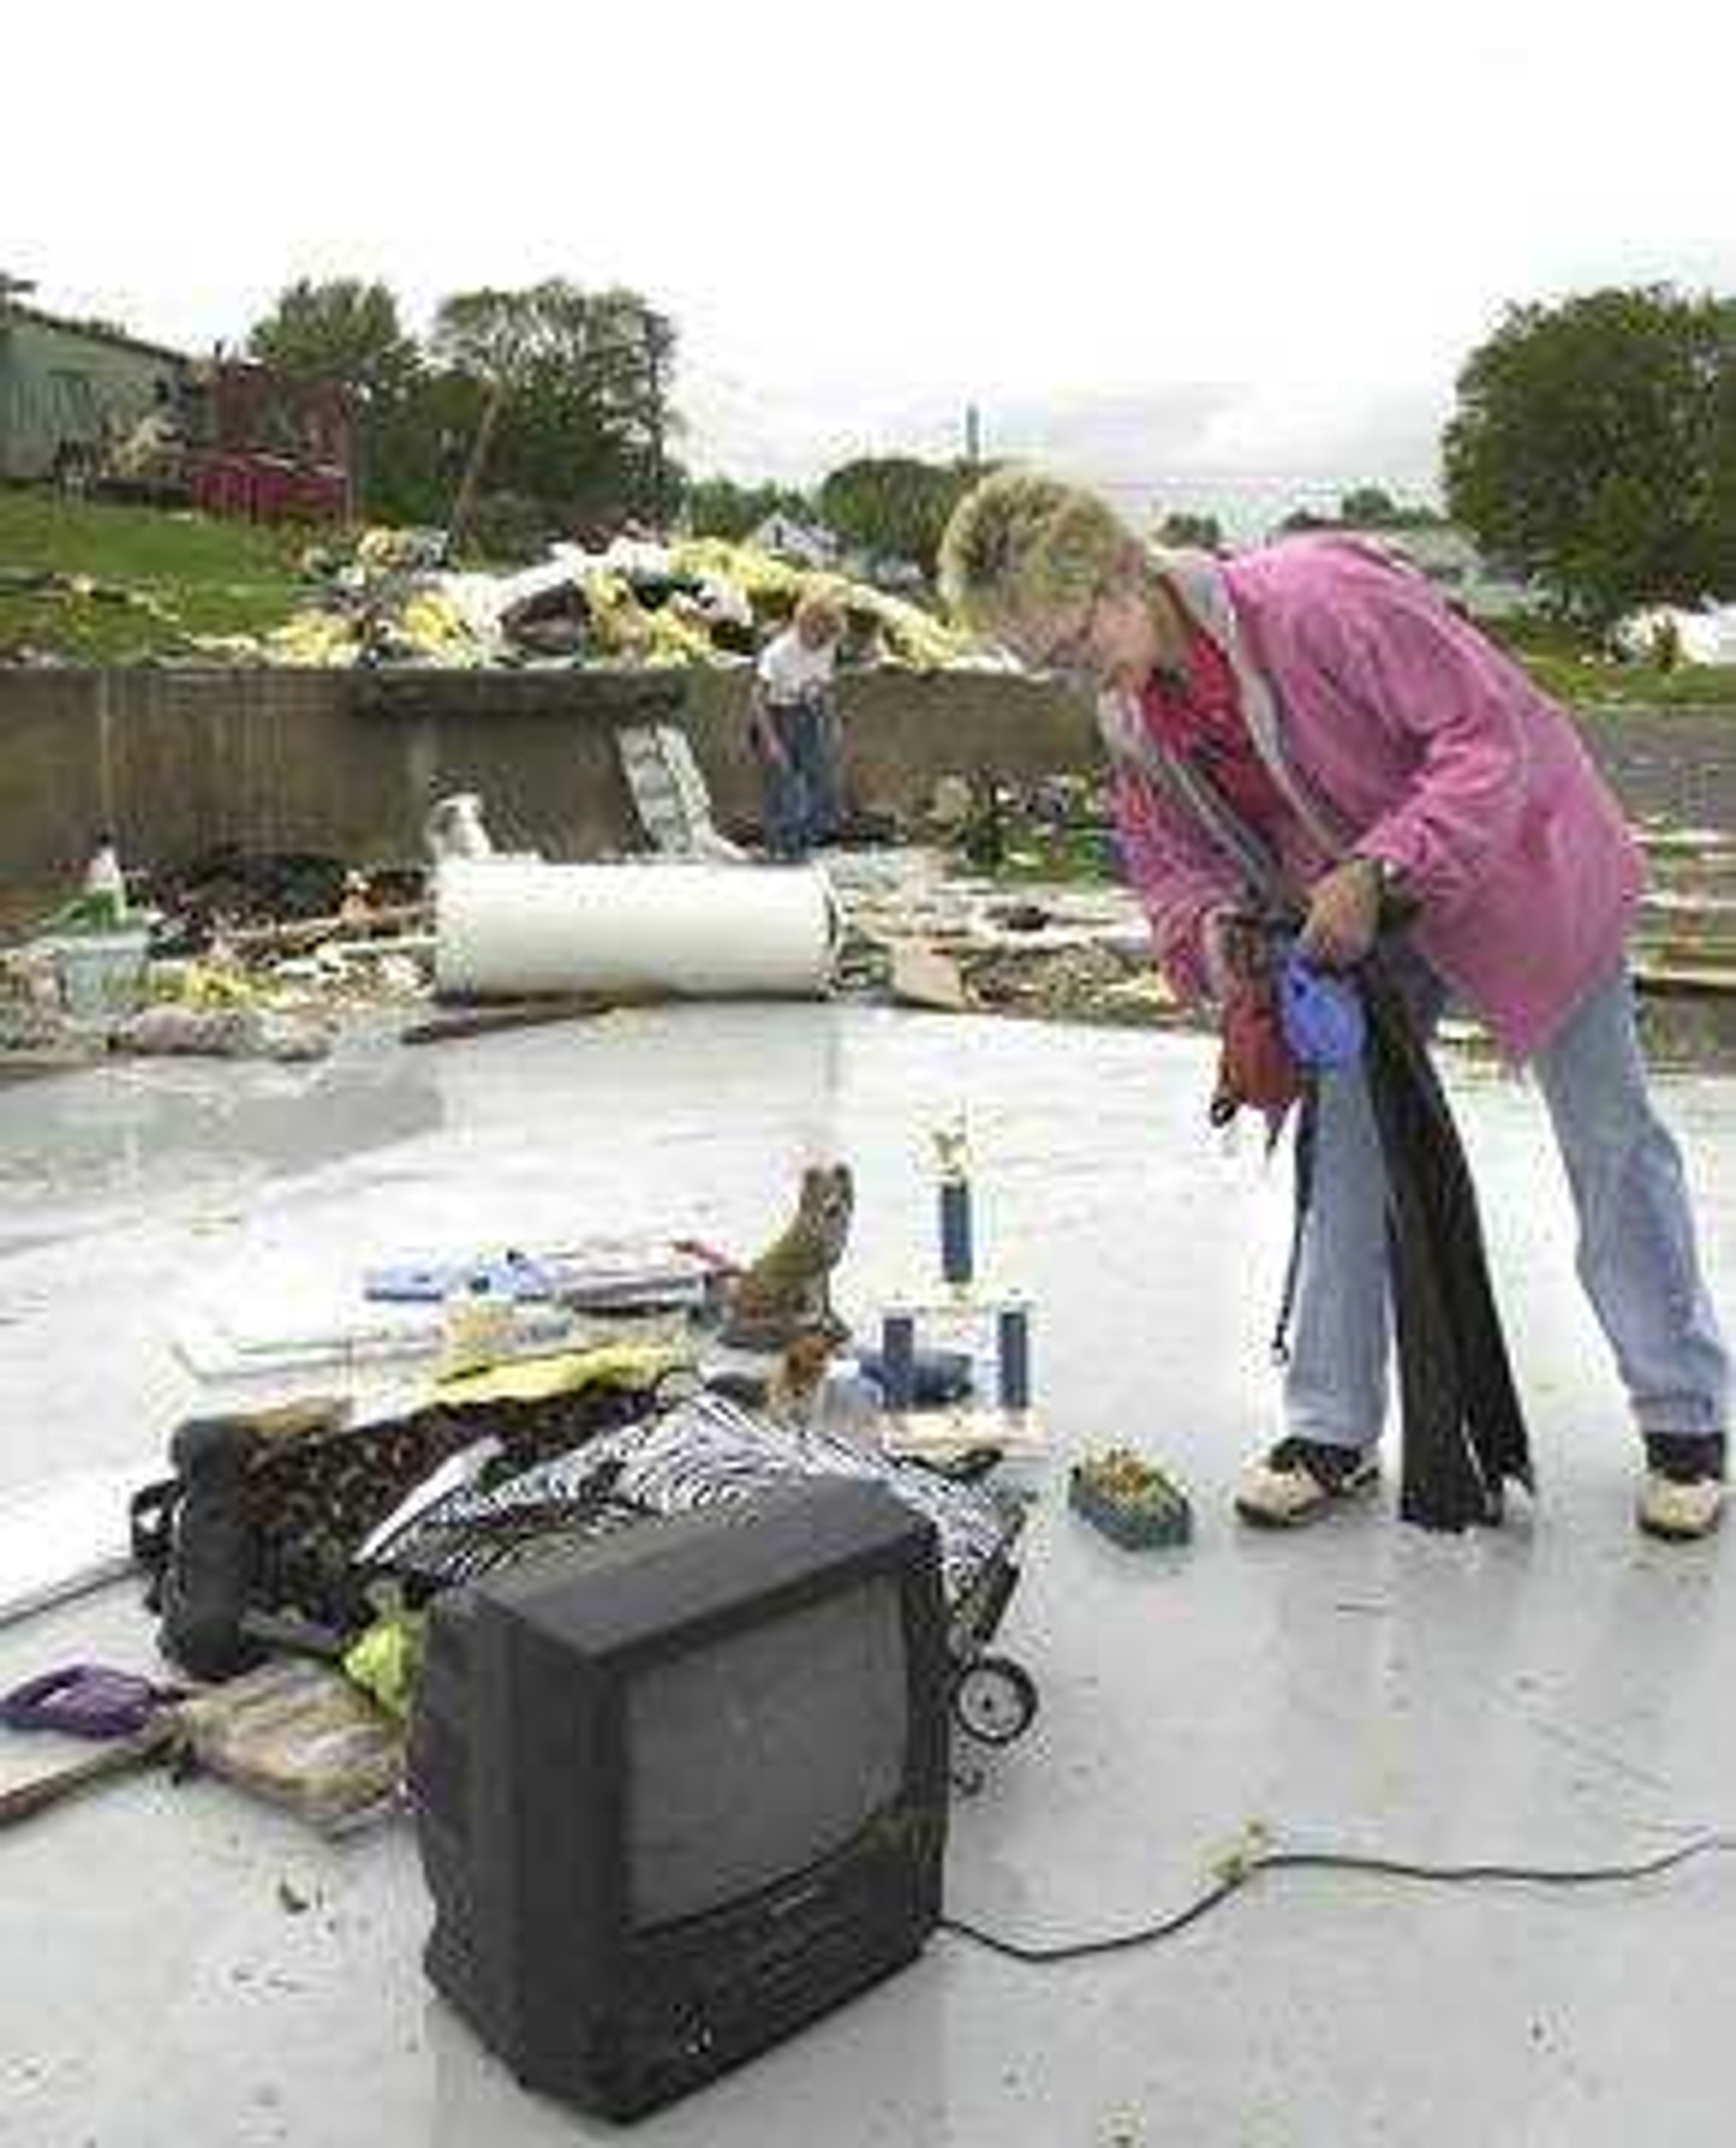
(1073, 656)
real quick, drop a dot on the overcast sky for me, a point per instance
(1228, 258)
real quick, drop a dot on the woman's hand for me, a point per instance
(1343, 914)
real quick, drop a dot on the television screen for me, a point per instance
(682, 1789)
(762, 1752)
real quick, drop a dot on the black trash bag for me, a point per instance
(1464, 1429)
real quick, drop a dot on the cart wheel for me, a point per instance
(994, 1701)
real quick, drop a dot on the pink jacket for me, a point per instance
(1397, 731)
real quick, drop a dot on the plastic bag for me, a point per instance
(302, 1736)
(1323, 1021)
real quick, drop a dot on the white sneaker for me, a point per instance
(1298, 1479)
(1681, 1493)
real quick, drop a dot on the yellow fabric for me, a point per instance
(564, 1372)
(385, 1661)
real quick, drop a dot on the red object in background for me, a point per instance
(256, 411)
(260, 489)
(263, 448)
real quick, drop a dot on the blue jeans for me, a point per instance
(1637, 1258)
(801, 789)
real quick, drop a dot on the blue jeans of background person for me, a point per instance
(802, 791)
(1637, 1258)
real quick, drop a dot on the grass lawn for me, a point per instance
(158, 576)
(1566, 664)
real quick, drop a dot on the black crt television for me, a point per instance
(682, 1789)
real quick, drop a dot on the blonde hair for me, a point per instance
(1019, 543)
(819, 608)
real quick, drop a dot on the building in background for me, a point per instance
(804, 544)
(93, 409)
(69, 391)
(1450, 558)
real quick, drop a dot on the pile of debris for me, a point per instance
(233, 956)
(1057, 827)
(247, 955)
(925, 935)
(1055, 934)
(73, 589)
(697, 601)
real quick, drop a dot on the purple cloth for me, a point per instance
(85, 1700)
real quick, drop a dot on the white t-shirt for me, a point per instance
(790, 670)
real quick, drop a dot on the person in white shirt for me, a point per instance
(794, 729)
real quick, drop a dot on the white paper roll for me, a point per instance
(506, 926)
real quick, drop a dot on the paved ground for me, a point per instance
(1678, 765)
(1557, 1691)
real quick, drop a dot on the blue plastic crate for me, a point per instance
(1154, 1514)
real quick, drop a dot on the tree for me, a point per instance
(579, 386)
(1201, 533)
(554, 400)
(1717, 548)
(1372, 507)
(894, 506)
(348, 331)
(1363, 507)
(344, 331)
(1588, 444)
(419, 444)
(1367, 507)
(719, 507)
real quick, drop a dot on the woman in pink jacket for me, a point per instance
(1318, 694)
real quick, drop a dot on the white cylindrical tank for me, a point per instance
(507, 927)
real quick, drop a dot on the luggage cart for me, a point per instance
(993, 1699)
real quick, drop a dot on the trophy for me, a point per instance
(964, 1309)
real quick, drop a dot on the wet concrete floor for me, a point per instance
(1555, 1692)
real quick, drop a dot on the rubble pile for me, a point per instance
(925, 935)
(238, 958)
(82, 589)
(1055, 827)
(1009, 905)
(694, 601)
(1097, 980)
(1019, 910)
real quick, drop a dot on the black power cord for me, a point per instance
(1242, 1865)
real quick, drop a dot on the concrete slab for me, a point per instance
(1558, 1691)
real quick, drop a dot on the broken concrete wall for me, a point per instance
(348, 762)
